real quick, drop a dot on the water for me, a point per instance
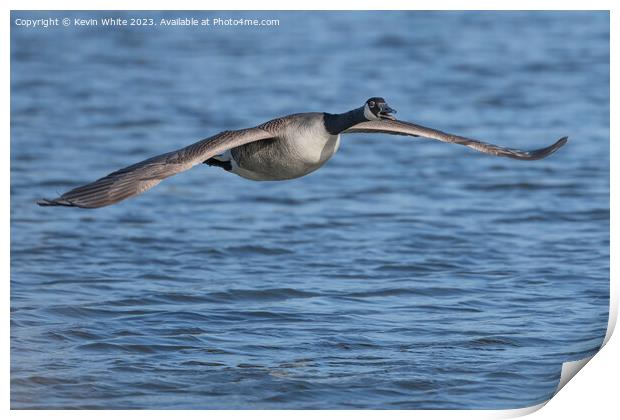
(404, 274)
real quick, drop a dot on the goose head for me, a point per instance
(377, 109)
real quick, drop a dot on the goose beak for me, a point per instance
(386, 112)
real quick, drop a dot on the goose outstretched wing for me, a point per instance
(404, 128)
(139, 177)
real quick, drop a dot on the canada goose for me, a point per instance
(283, 148)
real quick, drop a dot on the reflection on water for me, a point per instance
(405, 274)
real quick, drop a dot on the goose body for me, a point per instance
(280, 149)
(300, 145)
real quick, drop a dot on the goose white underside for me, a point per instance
(304, 154)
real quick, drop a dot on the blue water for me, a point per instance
(406, 273)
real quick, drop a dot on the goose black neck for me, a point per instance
(337, 123)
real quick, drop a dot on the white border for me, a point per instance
(596, 384)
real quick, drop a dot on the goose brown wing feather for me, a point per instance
(142, 176)
(403, 128)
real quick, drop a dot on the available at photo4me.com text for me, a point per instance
(138, 21)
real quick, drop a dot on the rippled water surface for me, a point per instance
(406, 273)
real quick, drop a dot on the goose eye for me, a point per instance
(371, 104)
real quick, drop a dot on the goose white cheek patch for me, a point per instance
(368, 114)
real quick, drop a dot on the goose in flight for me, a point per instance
(284, 148)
